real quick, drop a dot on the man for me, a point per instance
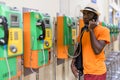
(93, 42)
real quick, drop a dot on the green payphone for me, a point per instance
(11, 41)
(35, 54)
(65, 46)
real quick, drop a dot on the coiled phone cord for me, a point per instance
(76, 55)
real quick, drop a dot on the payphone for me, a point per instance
(11, 41)
(34, 35)
(64, 37)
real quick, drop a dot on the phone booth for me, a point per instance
(11, 42)
(34, 35)
(64, 37)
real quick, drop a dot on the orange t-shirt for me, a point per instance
(92, 63)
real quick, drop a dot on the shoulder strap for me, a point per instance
(82, 31)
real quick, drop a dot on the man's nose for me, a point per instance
(86, 16)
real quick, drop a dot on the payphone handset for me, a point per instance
(40, 23)
(3, 22)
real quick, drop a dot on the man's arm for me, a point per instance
(97, 45)
(74, 69)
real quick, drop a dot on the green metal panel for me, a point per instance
(35, 31)
(4, 69)
(1, 52)
(3, 10)
(43, 57)
(14, 13)
(71, 45)
(68, 34)
(67, 31)
(70, 31)
(7, 12)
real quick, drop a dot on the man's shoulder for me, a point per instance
(102, 28)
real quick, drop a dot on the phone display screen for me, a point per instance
(14, 18)
(47, 22)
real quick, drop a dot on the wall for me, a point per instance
(45, 6)
(72, 7)
(76, 5)
(68, 7)
(103, 7)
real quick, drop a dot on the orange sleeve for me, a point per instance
(105, 35)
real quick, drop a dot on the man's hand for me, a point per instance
(92, 24)
(74, 69)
